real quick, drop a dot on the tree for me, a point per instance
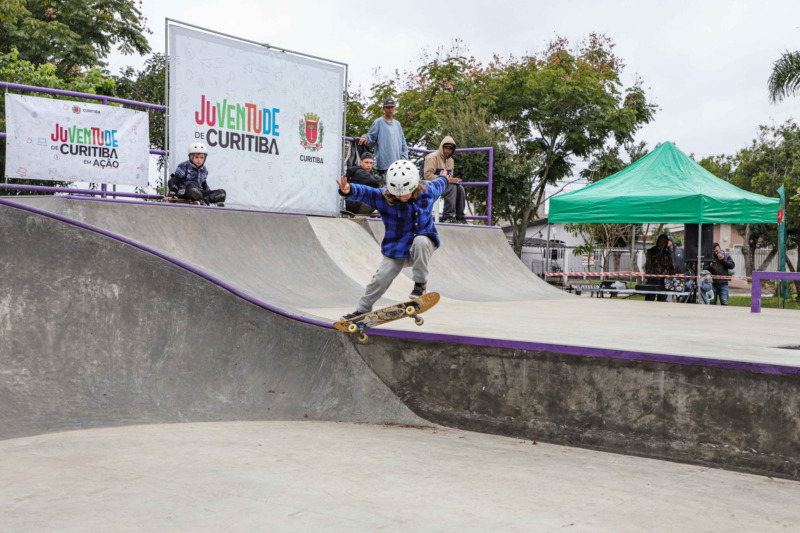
(16, 70)
(544, 111)
(604, 163)
(722, 166)
(771, 160)
(471, 126)
(562, 106)
(71, 34)
(147, 85)
(785, 77)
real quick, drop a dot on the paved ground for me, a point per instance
(315, 476)
(312, 476)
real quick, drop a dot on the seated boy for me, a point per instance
(188, 182)
(362, 175)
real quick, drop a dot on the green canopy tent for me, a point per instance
(665, 186)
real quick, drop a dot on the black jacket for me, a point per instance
(360, 176)
(678, 258)
(720, 268)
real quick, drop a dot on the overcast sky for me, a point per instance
(704, 63)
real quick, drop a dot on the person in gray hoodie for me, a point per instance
(440, 163)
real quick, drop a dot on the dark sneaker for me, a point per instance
(419, 290)
(351, 316)
(462, 221)
(447, 220)
(220, 204)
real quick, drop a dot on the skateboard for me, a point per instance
(412, 308)
(176, 200)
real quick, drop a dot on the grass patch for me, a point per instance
(766, 302)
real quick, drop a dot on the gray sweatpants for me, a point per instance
(421, 250)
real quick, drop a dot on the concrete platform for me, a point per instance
(124, 313)
(342, 477)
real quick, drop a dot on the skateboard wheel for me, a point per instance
(419, 320)
(410, 310)
(352, 328)
(363, 337)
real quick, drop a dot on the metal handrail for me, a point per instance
(488, 217)
(110, 99)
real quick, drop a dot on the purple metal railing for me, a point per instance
(488, 217)
(755, 288)
(103, 192)
(104, 99)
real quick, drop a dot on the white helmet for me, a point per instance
(402, 177)
(197, 148)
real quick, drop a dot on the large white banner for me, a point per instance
(61, 140)
(272, 121)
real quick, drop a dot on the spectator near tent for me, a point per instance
(719, 266)
(660, 261)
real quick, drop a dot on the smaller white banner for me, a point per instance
(61, 140)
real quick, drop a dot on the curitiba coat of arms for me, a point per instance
(311, 132)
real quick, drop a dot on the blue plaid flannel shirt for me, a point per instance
(403, 221)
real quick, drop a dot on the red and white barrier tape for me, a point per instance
(633, 274)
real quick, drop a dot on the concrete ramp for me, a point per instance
(96, 332)
(117, 313)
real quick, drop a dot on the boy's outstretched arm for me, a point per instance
(344, 185)
(360, 193)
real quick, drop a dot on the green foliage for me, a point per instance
(542, 112)
(362, 110)
(785, 77)
(147, 85)
(471, 126)
(606, 162)
(722, 166)
(13, 69)
(71, 34)
(772, 160)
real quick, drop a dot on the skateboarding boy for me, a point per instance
(405, 205)
(188, 182)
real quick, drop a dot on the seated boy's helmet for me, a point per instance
(197, 148)
(402, 177)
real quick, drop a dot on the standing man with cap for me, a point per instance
(389, 138)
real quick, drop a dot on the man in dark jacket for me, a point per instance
(660, 261)
(362, 175)
(720, 266)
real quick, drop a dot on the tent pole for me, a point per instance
(547, 254)
(699, 264)
(633, 248)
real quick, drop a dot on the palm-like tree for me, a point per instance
(785, 78)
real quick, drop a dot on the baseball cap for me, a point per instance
(389, 101)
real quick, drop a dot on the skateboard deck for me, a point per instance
(411, 308)
(176, 200)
